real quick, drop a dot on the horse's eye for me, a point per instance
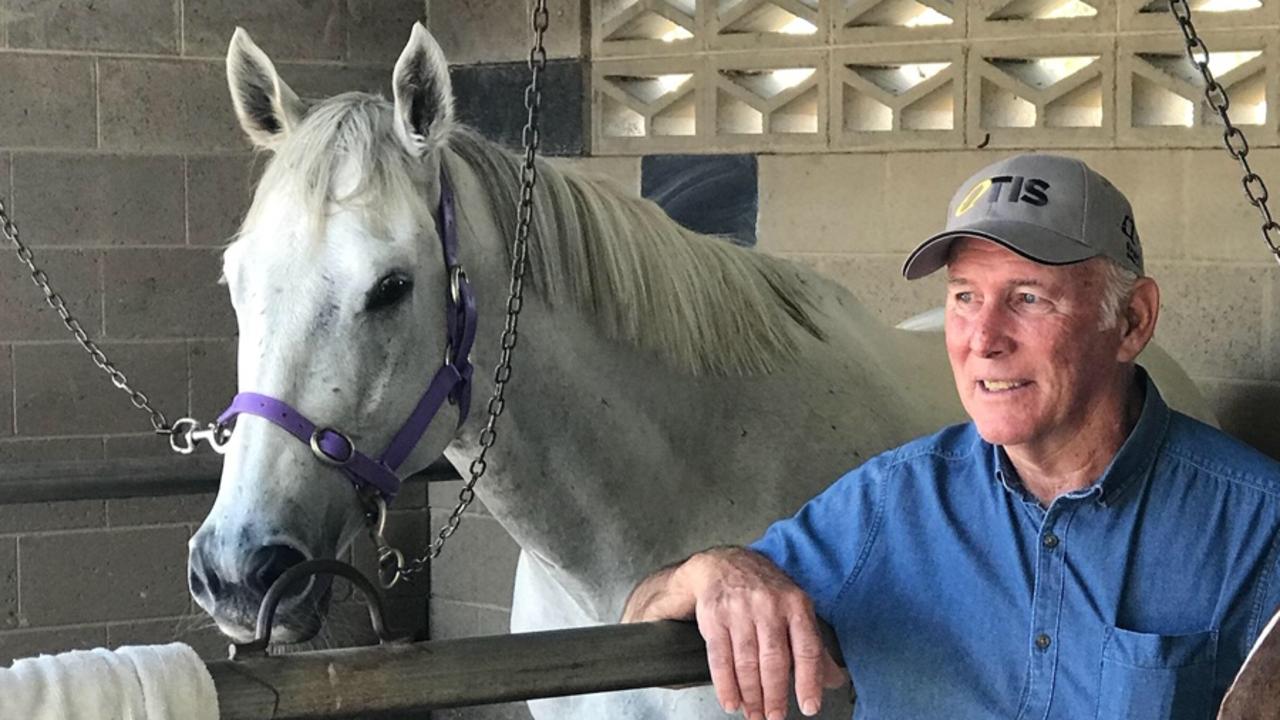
(390, 290)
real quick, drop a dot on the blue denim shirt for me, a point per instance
(956, 595)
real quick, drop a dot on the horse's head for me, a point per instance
(339, 288)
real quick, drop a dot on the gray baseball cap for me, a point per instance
(1048, 208)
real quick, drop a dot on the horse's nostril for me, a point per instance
(197, 585)
(203, 579)
(269, 562)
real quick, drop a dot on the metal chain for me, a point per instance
(1255, 189)
(54, 300)
(538, 19)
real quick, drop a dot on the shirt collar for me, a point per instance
(1131, 463)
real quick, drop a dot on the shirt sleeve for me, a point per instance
(822, 547)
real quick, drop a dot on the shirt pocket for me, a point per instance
(1157, 677)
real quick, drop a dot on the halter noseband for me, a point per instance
(451, 382)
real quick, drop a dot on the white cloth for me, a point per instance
(145, 682)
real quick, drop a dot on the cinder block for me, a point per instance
(98, 576)
(862, 22)
(219, 191)
(451, 619)
(917, 191)
(1161, 95)
(652, 105)
(166, 106)
(1220, 222)
(29, 643)
(1163, 186)
(877, 282)
(897, 97)
(1134, 16)
(485, 31)
(1227, 299)
(316, 81)
(136, 446)
(377, 30)
(646, 28)
(294, 29)
(824, 203)
(408, 531)
(79, 200)
(1002, 19)
(47, 101)
(213, 377)
(157, 293)
(6, 187)
(166, 510)
(478, 563)
(6, 391)
(8, 583)
(490, 98)
(141, 26)
(1247, 410)
(792, 109)
(1021, 94)
(413, 496)
(74, 274)
(765, 24)
(625, 171)
(62, 515)
(20, 450)
(59, 390)
(196, 630)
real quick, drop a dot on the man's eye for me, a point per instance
(964, 297)
(1028, 298)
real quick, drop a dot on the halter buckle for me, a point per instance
(325, 457)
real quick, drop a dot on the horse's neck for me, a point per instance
(610, 462)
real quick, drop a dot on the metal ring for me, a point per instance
(456, 276)
(325, 457)
(180, 436)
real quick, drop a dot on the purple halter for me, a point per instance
(452, 382)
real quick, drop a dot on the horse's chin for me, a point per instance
(296, 621)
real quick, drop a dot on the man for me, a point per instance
(1077, 550)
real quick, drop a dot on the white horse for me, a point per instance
(671, 391)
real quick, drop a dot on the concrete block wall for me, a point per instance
(123, 165)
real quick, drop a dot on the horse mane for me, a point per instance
(704, 304)
(698, 301)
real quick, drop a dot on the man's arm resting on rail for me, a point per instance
(757, 623)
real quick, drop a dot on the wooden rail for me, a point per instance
(118, 479)
(415, 677)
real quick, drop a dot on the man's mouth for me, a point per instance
(999, 386)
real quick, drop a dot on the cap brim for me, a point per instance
(1034, 242)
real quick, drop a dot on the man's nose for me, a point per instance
(990, 336)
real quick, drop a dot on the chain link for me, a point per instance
(538, 20)
(1255, 189)
(55, 301)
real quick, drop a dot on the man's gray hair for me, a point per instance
(1117, 287)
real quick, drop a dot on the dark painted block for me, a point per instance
(490, 98)
(713, 194)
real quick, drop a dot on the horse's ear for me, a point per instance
(423, 93)
(268, 109)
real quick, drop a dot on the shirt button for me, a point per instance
(1050, 540)
(1042, 641)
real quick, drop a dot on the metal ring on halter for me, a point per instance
(180, 440)
(325, 457)
(390, 575)
(456, 276)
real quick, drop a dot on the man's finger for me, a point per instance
(720, 659)
(746, 664)
(809, 653)
(775, 666)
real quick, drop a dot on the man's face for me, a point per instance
(1029, 360)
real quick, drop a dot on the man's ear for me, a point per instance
(1138, 319)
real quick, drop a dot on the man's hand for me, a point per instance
(757, 623)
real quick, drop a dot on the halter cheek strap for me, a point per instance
(451, 382)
